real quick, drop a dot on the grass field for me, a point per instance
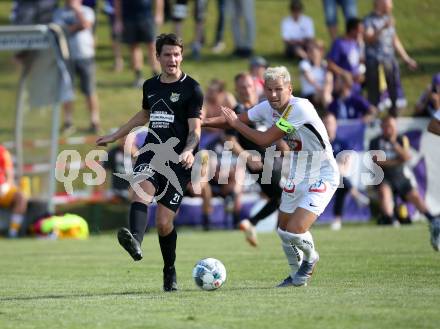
(416, 22)
(368, 277)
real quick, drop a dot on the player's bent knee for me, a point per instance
(163, 227)
(136, 198)
(297, 228)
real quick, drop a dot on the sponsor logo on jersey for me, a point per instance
(294, 144)
(289, 187)
(162, 117)
(318, 187)
(174, 97)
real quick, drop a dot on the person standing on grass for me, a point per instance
(382, 43)
(313, 177)
(171, 103)
(137, 23)
(78, 22)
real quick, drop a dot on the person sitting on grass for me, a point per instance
(10, 196)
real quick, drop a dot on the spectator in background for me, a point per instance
(137, 23)
(213, 139)
(109, 10)
(350, 105)
(242, 146)
(297, 30)
(219, 45)
(257, 66)
(91, 4)
(10, 195)
(216, 97)
(349, 9)
(345, 56)
(77, 20)
(429, 102)
(242, 14)
(28, 12)
(316, 81)
(180, 10)
(204, 192)
(395, 182)
(381, 45)
(434, 124)
(344, 161)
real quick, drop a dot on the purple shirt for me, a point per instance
(346, 53)
(352, 107)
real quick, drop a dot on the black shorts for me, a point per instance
(138, 31)
(400, 186)
(166, 184)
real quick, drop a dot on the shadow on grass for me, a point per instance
(150, 294)
(73, 296)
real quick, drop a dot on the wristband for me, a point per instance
(285, 126)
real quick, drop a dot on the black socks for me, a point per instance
(138, 220)
(168, 249)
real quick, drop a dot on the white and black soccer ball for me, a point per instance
(209, 274)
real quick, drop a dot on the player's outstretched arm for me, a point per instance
(222, 123)
(261, 138)
(139, 119)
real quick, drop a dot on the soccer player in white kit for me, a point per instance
(314, 175)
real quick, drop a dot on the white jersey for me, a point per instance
(306, 135)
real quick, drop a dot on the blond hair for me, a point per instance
(277, 72)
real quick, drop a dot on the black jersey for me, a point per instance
(170, 106)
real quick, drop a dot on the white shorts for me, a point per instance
(312, 197)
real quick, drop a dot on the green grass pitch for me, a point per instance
(368, 277)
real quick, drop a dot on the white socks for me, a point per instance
(15, 224)
(302, 241)
(293, 255)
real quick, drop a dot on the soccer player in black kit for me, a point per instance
(171, 103)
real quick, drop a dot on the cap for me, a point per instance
(258, 61)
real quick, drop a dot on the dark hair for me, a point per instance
(352, 24)
(296, 5)
(168, 39)
(241, 75)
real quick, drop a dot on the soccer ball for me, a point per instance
(209, 274)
